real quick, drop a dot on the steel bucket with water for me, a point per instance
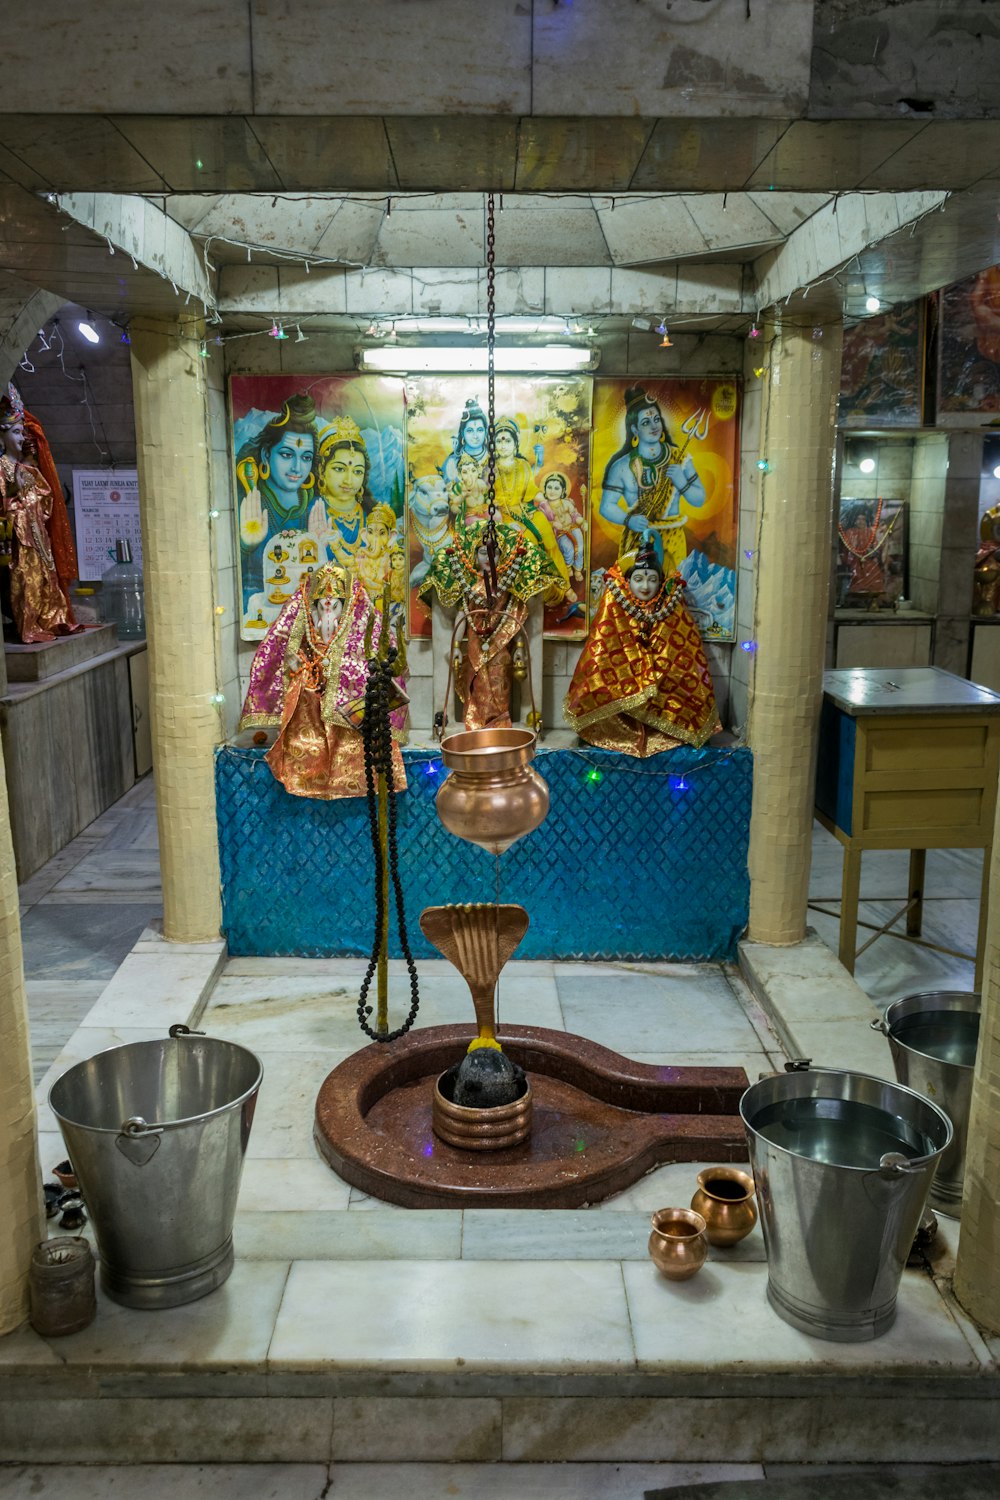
(933, 1038)
(157, 1133)
(843, 1164)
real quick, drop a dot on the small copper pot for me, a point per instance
(493, 796)
(678, 1243)
(494, 1129)
(725, 1201)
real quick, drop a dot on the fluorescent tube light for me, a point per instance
(89, 332)
(440, 358)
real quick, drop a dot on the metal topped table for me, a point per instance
(908, 759)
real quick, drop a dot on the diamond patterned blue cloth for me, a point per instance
(637, 860)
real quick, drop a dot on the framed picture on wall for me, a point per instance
(882, 370)
(667, 450)
(968, 386)
(871, 553)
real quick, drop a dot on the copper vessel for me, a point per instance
(493, 796)
(678, 1243)
(725, 1201)
(494, 1129)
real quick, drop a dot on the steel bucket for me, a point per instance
(843, 1164)
(933, 1038)
(157, 1133)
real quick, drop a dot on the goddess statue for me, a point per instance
(308, 680)
(485, 676)
(642, 683)
(39, 606)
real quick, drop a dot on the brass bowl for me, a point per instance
(678, 1244)
(725, 1201)
(494, 1129)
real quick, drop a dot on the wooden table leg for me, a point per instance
(984, 911)
(850, 890)
(915, 913)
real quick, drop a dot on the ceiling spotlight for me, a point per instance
(867, 466)
(666, 342)
(872, 304)
(996, 472)
(89, 332)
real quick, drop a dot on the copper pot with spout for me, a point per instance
(494, 796)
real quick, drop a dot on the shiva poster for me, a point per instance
(319, 478)
(542, 448)
(665, 462)
(968, 383)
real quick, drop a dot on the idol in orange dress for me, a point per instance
(38, 604)
(642, 683)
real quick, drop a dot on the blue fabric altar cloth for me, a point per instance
(637, 860)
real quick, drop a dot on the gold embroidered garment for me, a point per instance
(37, 602)
(642, 683)
(523, 570)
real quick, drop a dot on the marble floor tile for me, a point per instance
(555, 1234)
(722, 1319)
(632, 1012)
(165, 1481)
(156, 989)
(134, 873)
(306, 1013)
(474, 1315)
(526, 1481)
(891, 967)
(289, 1186)
(431, 1234)
(286, 1104)
(215, 1332)
(56, 1010)
(68, 941)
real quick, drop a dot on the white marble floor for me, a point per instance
(331, 1285)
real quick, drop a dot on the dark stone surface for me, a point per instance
(486, 1078)
(82, 940)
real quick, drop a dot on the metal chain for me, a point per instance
(490, 535)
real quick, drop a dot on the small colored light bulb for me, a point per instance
(594, 776)
(218, 697)
(763, 465)
(748, 646)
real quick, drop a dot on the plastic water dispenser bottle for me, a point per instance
(122, 595)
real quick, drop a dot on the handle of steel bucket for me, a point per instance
(895, 1164)
(879, 1025)
(138, 1141)
(179, 1029)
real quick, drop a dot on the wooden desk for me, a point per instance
(908, 759)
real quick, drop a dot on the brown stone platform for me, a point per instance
(601, 1121)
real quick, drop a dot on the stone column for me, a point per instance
(977, 1282)
(20, 1175)
(174, 458)
(794, 531)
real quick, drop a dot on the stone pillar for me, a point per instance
(174, 459)
(794, 531)
(20, 1175)
(977, 1282)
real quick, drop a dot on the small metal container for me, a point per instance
(61, 1292)
(933, 1038)
(494, 796)
(843, 1164)
(678, 1243)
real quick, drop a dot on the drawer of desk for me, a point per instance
(960, 811)
(924, 747)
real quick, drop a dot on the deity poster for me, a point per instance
(319, 478)
(542, 446)
(969, 351)
(882, 370)
(665, 462)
